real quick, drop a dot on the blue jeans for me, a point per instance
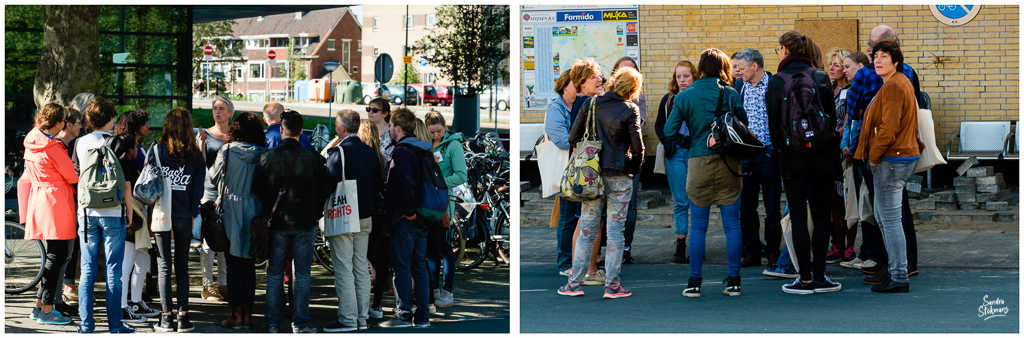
(408, 252)
(110, 231)
(675, 169)
(568, 217)
(890, 178)
(733, 238)
(630, 225)
(764, 179)
(298, 243)
(438, 250)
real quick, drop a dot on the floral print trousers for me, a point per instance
(618, 191)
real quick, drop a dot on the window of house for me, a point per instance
(279, 70)
(355, 69)
(279, 42)
(376, 23)
(330, 44)
(360, 48)
(409, 23)
(431, 20)
(238, 73)
(376, 51)
(346, 57)
(255, 70)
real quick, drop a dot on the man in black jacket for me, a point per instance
(407, 229)
(301, 173)
(348, 251)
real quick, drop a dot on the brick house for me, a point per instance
(317, 36)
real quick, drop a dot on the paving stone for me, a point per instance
(989, 197)
(981, 171)
(964, 181)
(537, 205)
(973, 161)
(1007, 217)
(966, 190)
(966, 198)
(997, 206)
(993, 179)
(650, 203)
(991, 188)
(969, 206)
(944, 196)
(945, 206)
(924, 216)
(928, 204)
(531, 195)
(524, 185)
(914, 188)
(916, 179)
(645, 194)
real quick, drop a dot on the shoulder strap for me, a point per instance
(280, 193)
(341, 151)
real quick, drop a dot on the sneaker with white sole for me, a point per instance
(570, 289)
(35, 313)
(616, 291)
(129, 316)
(376, 312)
(446, 299)
(851, 263)
(143, 310)
(53, 318)
(798, 287)
(339, 327)
(565, 273)
(693, 288)
(780, 272)
(732, 286)
(595, 279)
(826, 285)
(865, 264)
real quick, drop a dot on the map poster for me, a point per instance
(603, 34)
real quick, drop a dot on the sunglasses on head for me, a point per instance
(373, 110)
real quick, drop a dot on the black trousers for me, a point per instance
(182, 229)
(813, 175)
(56, 255)
(378, 255)
(242, 278)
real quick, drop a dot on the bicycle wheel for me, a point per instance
(322, 252)
(501, 237)
(23, 260)
(457, 241)
(474, 254)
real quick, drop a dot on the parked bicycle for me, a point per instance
(23, 260)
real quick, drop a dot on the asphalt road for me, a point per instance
(481, 306)
(940, 300)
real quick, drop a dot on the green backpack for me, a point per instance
(101, 182)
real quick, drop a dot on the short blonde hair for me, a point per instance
(433, 118)
(627, 82)
(582, 71)
(835, 51)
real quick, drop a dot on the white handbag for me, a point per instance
(930, 156)
(162, 208)
(341, 211)
(787, 235)
(865, 205)
(850, 197)
(552, 162)
(659, 160)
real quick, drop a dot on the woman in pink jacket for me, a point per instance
(50, 211)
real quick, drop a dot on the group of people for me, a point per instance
(817, 115)
(241, 170)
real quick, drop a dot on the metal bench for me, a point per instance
(529, 135)
(986, 140)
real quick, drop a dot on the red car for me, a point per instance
(437, 95)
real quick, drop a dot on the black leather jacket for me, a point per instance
(308, 188)
(618, 128)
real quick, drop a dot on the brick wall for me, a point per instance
(978, 81)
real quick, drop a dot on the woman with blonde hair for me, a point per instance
(709, 179)
(641, 101)
(842, 237)
(377, 249)
(617, 122)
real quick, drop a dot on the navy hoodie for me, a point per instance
(403, 182)
(186, 181)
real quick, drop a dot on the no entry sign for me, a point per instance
(271, 55)
(207, 50)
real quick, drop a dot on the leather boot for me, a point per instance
(246, 317)
(235, 318)
(680, 256)
(223, 291)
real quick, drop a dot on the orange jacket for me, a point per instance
(890, 123)
(50, 212)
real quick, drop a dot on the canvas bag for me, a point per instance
(101, 181)
(850, 197)
(142, 237)
(162, 208)
(787, 234)
(582, 179)
(867, 213)
(930, 156)
(552, 162)
(341, 211)
(659, 160)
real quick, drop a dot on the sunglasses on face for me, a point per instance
(372, 110)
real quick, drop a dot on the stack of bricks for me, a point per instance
(978, 188)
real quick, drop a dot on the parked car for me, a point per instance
(411, 94)
(437, 95)
(370, 91)
(502, 98)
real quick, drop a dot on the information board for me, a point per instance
(556, 37)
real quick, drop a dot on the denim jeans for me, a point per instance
(299, 244)
(630, 225)
(352, 274)
(618, 190)
(764, 179)
(182, 229)
(733, 238)
(890, 178)
(109, 231)
(408, 260)
(675, 170)
(568, 216)
(440, 261)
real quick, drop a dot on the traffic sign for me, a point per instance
(271, 55)
(955, 15)
(407, 60)
(208, 50)
(423, 62)
(383, 68)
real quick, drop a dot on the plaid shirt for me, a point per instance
(866, 84)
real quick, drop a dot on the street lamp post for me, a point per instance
(330, 66)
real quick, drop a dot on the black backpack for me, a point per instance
(805, 128)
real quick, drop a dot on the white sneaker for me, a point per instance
(866, 264)
(437, 294)
(445, 300)
(850, 264)
(595, 279)
(376, 312)
(566, 273)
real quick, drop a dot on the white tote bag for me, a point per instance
(341, 211)
(787, 235)
(659, 160)
(850, 197)
(865, 205)
(552, 162)
(162, 209)
(930, 156)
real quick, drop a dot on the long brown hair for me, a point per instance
(369, 135)
(714, 63)
(672, 85)
(178, 136)
(797, 43)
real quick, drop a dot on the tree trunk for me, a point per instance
(69, 56)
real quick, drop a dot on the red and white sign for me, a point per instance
(271, 55)
(208, 50)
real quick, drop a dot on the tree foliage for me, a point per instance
(467, 43)
(296, 67)
(215, 34)
(409, 73)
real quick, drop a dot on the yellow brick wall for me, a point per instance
(978, 82)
